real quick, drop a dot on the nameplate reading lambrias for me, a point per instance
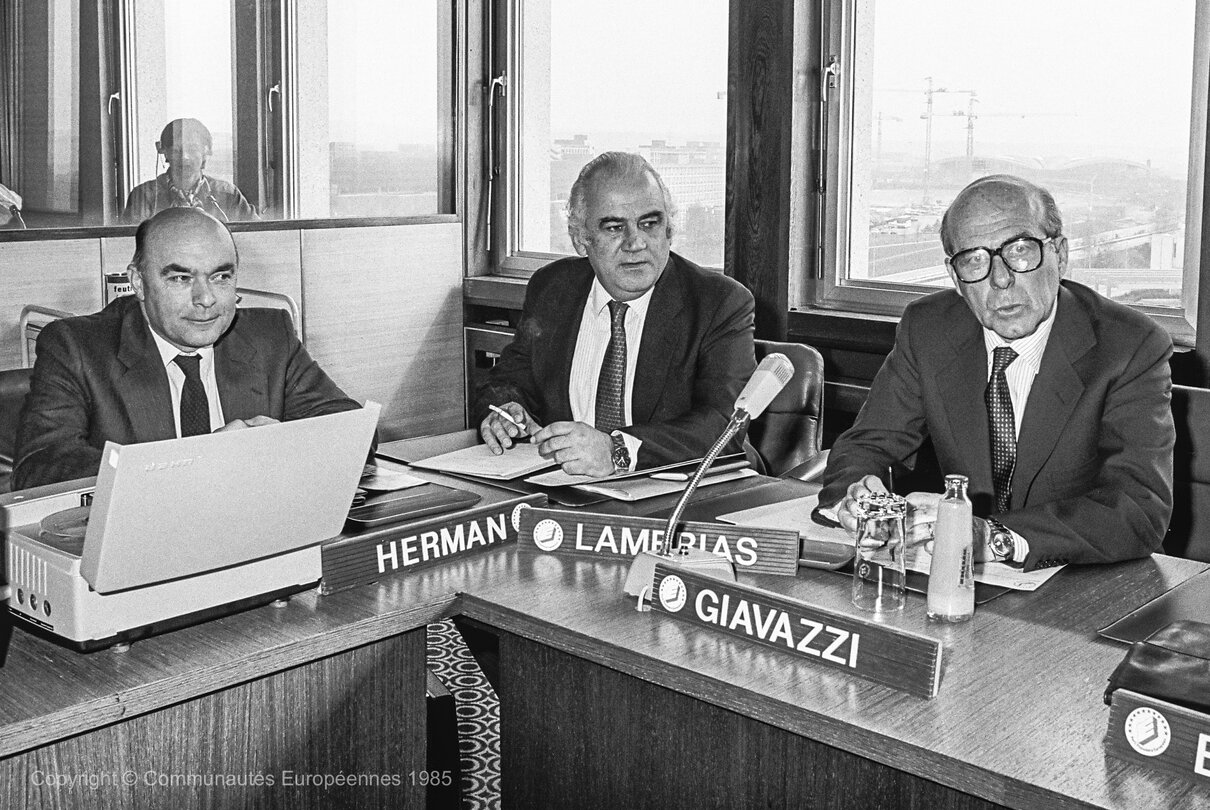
(897, 658)
(753, 550)
(355, 559)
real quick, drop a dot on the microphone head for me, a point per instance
(766, 382)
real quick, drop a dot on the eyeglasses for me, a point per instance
(1020, 255)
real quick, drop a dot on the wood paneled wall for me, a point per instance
(61, 275)
(382, 306)
(383, 314)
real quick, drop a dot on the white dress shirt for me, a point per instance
(176, 380)
(593, 340)
(1020, 375)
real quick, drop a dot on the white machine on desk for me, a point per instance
(183, 530)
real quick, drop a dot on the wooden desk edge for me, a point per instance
(25, 735)
(894, 753)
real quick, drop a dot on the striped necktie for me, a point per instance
(611, 385)
(1002, 427)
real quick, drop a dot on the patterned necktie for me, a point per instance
(611, 385)
(195, 408)
(1002, 427)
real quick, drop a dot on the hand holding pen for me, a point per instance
(505, 425)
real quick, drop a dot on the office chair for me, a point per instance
(249, 297)
(14, 387)
(787, 435)
(1189, 531)
(33, 318)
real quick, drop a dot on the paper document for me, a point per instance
(558, 478)
(796, 514)
(520, 459)
(636, 489)
(792, 514)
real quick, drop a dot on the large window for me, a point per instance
(586, 78)
(1101, 101)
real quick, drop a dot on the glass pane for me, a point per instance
(184, 112)
(1088, 98)
(593, 80)
(40, 162)
(385, 108)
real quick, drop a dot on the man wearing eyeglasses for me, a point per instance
(1052, 399)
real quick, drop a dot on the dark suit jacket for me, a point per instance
(694, 358)
(1093, 481)
(100, 378)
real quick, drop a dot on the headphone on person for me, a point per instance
(177, 129)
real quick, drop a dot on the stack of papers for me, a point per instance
(796, 514)
(518, 460)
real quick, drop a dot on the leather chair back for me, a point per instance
(789, 432)
(1189, 532)
(14, 386)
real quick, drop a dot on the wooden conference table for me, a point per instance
(601, 706)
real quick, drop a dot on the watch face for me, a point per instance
(1002, 543)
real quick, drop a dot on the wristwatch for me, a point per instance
(621, 454)
(1002, 543)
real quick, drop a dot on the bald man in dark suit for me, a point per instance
(1050, 398)
(115, 376)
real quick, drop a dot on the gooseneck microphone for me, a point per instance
(765, 383)
(769, 378)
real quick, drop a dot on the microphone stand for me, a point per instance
(672, 539)
(642, 571)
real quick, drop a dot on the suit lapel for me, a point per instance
(1056, 390)
(663, 327)
(143, 385)
(240, 376)
(565, 332)
(965, 379)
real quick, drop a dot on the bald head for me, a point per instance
(1001, 190)
(184, 275)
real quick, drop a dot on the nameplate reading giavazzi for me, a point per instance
(752, 550)
(898, 658)
(398, 548)
(1160, 735)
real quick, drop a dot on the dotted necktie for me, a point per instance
(611, 385)
(1002, 427)
(195, 408)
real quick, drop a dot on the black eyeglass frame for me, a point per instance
(992, 254)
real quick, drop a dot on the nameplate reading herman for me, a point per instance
(898, 658)
(752, 550)
(355, 559)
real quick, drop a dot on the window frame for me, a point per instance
(825, 289)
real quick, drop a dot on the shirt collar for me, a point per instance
(598, 300)
(168, 352)
(1029, 349)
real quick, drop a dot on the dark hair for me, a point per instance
(180, 128)
(1041, 205)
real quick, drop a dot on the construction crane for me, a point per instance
(927, 115)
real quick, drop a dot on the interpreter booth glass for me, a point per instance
(317, 110)
(631, 76)
(39, 127)
(922, 106)
(183, 70)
